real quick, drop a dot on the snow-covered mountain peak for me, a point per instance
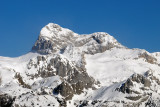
(54, 38)
(53, 30)
(80, 70)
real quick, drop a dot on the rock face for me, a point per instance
(148, 58)
(140, 79)
(74, 78)
(6, 100)
(65, 90)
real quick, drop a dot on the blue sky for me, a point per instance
(134, 23)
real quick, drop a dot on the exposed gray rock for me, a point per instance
(141, 79)
(21, 82)
(74, 78)
(148, 58)
(127, 86)
(149, 74)
(65, 90)
(6, 100)
(43, 46)
(62, 102)
(134, 98)
(150, 103)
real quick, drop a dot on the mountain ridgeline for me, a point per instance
(66, 69)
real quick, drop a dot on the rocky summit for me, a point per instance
(66, 69)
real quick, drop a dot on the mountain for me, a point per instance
(71, 70)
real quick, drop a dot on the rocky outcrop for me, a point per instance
(148, 58)
(65, 90)
(140, 79)
(43, 46)
(151, 103)
(6, 100)
(74, 78)
(21, 82)
(100, 43)
(150, 75)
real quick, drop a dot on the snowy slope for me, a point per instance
(117, 65)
